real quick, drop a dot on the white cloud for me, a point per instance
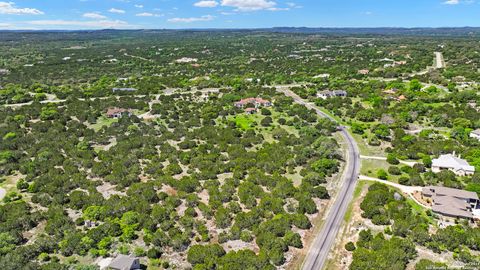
(94, 15)
(293, 5)
(144, 14)
(452, 2)
(204, 18)
(11, 9)
(206, 4)
(118, 11)
(147, 14)
(251, 5)
(61, 24)
(139, 6)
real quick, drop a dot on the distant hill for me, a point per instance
(444, 31)
(383, 31)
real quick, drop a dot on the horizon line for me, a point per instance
(249, 28)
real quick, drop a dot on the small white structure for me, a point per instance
(322, 76)
(451, 162)
(475, 134)
(329, 94)
(184, 60)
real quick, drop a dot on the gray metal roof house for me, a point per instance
(452, 202)
(335, 93)
(124, 262)
(124, 89)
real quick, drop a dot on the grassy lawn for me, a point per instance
(367, 150)
(338, 119)
(245, 121)
(356, 195)
(418, 209)
(103, 121)
(9, 183)
(371, 166)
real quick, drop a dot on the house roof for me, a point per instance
(452, 162)
(122, 262)
(452, 192)
(452, 211)
(334, 92)
(476, 132)
(112, 111)
(124, 89)
(325, 92)
(451, 201)
(252, 100)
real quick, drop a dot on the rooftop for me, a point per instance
(112, 111)
(452, 192)
(122, 262)
(451, 201)
(476, 132)
(253, 100)
(453, 162)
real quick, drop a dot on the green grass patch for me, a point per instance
(103, 121)
(338, 119)
(245, 122)
(371, 166)
(365, 149)
(418, 209)
(356, 195)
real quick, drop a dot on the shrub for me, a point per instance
(154, 253)
(382, 174)
(350, 246)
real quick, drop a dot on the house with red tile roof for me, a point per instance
(257, 102)
(118, 112)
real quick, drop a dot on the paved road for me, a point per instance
(319, 250)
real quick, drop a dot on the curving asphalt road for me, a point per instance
(321, 246)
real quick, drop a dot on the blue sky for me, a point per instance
(157, 14)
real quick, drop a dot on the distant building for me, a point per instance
(186, 60)
(364, 71)
(322, 76)
(329, 94)
(124, 262)
(124, 90)
(392, 91)
(257, 102)
(475, 134)
(118, 112)
(451, 202)
(451, 162)
(251, 110)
